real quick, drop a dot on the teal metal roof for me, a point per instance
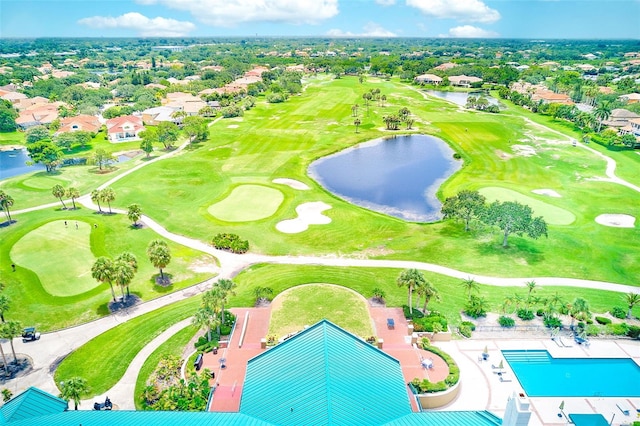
(142, 418)
(30, 404)
(323, 376)
(447, 418)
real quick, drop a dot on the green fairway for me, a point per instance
(60, 255)
(307, 304)
(247, 203)
(552, 215)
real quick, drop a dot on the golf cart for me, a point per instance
(30, 334)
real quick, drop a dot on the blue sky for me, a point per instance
(540, 19)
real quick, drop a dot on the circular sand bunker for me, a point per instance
(616, 220)
(295, 184)
(308, 214)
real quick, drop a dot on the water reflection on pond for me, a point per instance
(398, 176)
(460, 98)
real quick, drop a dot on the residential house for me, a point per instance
(38, 114)
(156, 115)
(464, 80)
(635, 126)
(125, 128)
(14, 97)
(445, 66)
(184, 102)
(428, 79)
(630, 98)
(85, 123)
(549, 97)
(25, 103)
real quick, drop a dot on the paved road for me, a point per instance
(53, 346)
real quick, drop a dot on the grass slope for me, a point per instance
(551, 214)
(247, 203)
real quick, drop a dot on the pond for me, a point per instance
(397, 176)
(13, 163)
(460, 98)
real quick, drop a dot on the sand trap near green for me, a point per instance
(247, 203)
(552, 215)
(307, 304)
(60, 256)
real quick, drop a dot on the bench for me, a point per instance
(390, 323)
(197, 364)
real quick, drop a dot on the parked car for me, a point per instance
(30, 334)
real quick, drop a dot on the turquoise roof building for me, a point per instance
(322, 376)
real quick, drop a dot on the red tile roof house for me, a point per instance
(124, 129)
(87, 123)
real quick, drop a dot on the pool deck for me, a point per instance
(480, 387)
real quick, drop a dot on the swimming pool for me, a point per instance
(542, 375)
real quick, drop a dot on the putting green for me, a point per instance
(247, 203)
(552, 215)
(307, 304)
(60, 256)
(42, 182)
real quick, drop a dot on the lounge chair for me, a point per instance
(391, 323)
(622, 406)
(502, 379)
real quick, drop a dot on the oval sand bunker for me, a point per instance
(616, 220)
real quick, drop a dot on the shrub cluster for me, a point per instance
(505, 321)
(411, 314)
(552, 322)
(433, 322)
(618, 312)
(466, 328)
(603, 320)
(203, 345)
(525, 314)
(230, 242)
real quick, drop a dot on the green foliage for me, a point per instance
(204, 345)
(476, 307)
(620, 329)
(8, 116)
(514, 218)
(230, 242)
(232, 111)
(633, 332)
(466, 206)
(117, 111)
(505, 321)
(464, 330)
(618, 312)
(525, 314)
(592, 330)
(36, 134)
(45, 153)
(433, 322)
(469, 324)
(425, 386)
(603, 320)
(552, 322)
(412, 314)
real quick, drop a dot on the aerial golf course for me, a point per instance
(226, 185)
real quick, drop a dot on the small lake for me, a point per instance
(460, 98)
(397, 176)
(13, 163)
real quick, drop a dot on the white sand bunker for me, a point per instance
(548, 192)
(616, 220)
(295, 184)
(308, 214)
(232, 126)
(524, 150)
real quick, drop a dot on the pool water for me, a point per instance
(542, 375)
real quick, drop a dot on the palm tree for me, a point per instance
(531, 285)
(357, 123)
(123, 275)
(6, 201)
(102, 271)
(602, 112)
(73, 389)
(4, 360)
(428, 291)
(108, 195)
(205, 317)
(214, 300)
(631, 299)
(410, 278)
(383, 99)
(354, 110)
(470, 285)
(133, 213)
(72, 193)
(159, 255)
(10, 330)
(579, 310)
(228, 287)
(59, 192)
(131, 260)
(5, 304)
(96, 197)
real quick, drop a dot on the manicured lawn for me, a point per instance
(552, 215)
(307, 304)
(103, 360)
(43, 262)
(174, 346)
(71, 238)
(247, 203)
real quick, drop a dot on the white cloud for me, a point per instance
(469, 31)
(146, 27)
(462, 10)
(386, 2)
(370, 30)
(228, 13)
